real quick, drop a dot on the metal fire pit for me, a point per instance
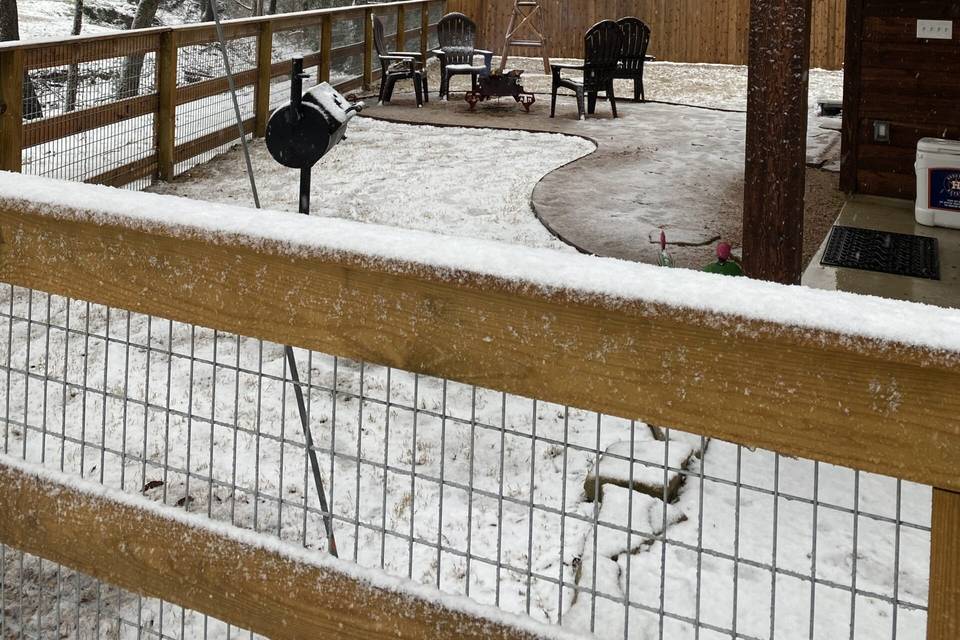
(500, 85)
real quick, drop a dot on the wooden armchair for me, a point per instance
(457, 35)
(602, 46)
(399, 65)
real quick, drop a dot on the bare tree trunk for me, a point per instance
(206, 10)
(129, 84)
(272, 7)
(10, 30)
(71, 101)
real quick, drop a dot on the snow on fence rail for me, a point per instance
(142, 352)
(129, 107)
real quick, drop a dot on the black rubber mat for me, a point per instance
(870, 250)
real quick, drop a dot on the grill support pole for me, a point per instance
(296, 99)
(305, 190)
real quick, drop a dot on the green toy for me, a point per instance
(725, 264)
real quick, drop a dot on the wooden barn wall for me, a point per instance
(683, 30)
(893, 76)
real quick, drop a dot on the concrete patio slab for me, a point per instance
(658, 166)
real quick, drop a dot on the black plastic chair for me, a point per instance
(399, 65)
(636, 40)
(601, 51)
(456, 36)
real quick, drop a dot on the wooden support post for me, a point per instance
(425, 29)
(368, 49)
(326, 48)
(262, 95)
(11, 110)
(401, 28)
(166, 120)
(850, 147)
(776, 145)
(943, 617)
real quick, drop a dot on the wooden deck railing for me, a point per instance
(797, 390)
(170, 91)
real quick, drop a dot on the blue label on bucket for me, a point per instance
(945, 189)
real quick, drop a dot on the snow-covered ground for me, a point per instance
(236, 429)
(465, 182)
(41, 19)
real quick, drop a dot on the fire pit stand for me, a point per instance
(499, 85)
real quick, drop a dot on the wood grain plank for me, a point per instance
(270, 589)
(74, 122)
(192, 148)
(165, 123)
(261, 97)
(808, 393)
(943, 616)
(11, 110)
(130, 172)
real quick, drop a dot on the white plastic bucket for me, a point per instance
(938, 183)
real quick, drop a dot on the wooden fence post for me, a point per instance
(401, 27)
(367, 48)
(425, 29)
(776, 146)
(11, 110)
(166, 119)
(943, 617)
(262, 91)
(326, 48)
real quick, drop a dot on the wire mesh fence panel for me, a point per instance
(347, 32)
(207, 126)
(287, 44)
(42, 600)
(92, 120)
(599, 524)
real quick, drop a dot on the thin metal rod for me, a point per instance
(311, 453)
(305, 190)
(291, 360)
(236, 104)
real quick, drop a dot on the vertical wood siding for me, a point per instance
(683, 30)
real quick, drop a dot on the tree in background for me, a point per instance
(129, 84)
(10, 30)
(72, 74)
(206, 10)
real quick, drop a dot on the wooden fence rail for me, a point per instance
(275, 589)
(798, 390)
(683, 30)
(17, 135)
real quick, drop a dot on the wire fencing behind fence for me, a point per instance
(579, 519)
(91, 107)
